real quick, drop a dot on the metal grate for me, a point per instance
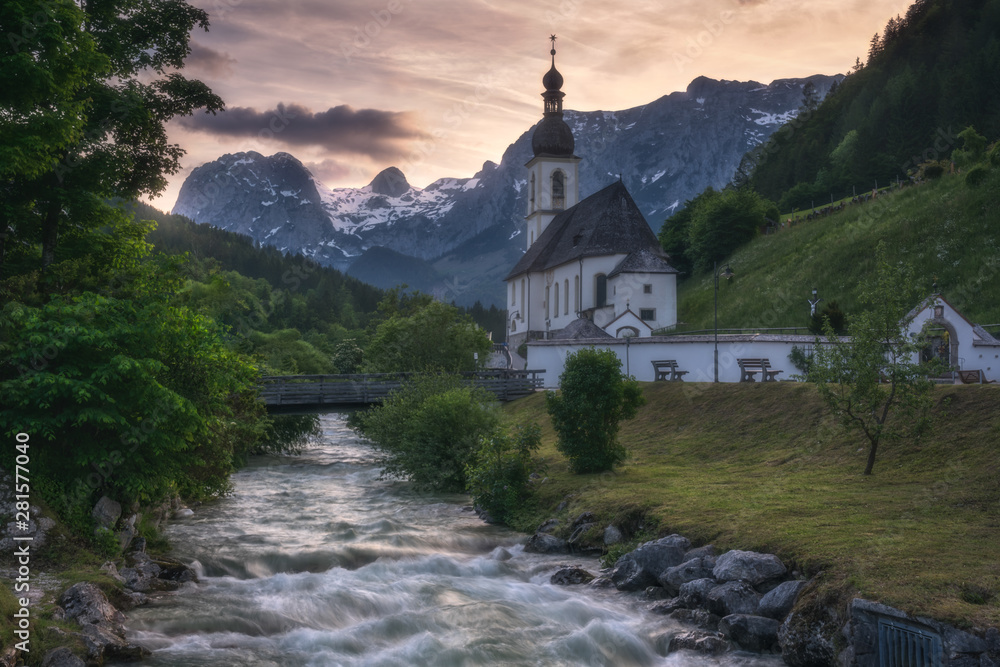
(903, 645)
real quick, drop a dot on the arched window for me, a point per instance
(576, 293)
(523, 303)
(546, 302)
(566, 297)
(555, 306)
(601, 299)
(531, 201)
(558, 190)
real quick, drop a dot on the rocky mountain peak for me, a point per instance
(390, 182)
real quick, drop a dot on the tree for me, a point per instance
(873, 382)
(973, 148)
(810, 97)
(428, 335)
(498, 480)
(721, 224)
(593, 399)
(430, 430)
(125, 90)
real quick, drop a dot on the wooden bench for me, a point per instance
(973, 377)
(666, 371)
(750, 367)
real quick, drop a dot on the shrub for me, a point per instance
(429, 430)
(977, 176)
(498, 480)
(593, 399)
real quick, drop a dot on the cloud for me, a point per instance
(339, 130)
(209, 61)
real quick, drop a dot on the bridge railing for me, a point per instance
(505, 384)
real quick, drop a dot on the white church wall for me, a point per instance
(694, 354)
(966, 354)
(629, 291)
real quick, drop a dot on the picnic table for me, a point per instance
(750, 367)
(666, 370)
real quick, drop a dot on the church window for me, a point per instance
(513, 294)
(531, 238)
(601, 299)
(523, 303)
(558, 190)
(531, 202)
(576, 292)
(566, 297)
(647, 314)
(546, 302)
(555, 304)
(647, 289)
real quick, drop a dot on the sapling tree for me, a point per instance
(873, 381)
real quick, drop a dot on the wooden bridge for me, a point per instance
(312, 391)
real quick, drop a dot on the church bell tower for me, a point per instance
(553, 172)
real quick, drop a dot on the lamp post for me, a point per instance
(727, 273)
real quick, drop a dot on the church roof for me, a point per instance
(607, 222)
(580, 328)
(643, 261)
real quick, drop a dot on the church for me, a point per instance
(592, 268)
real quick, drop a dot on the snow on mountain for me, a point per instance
(468, 229)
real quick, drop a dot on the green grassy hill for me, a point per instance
(949, 232)
(763, 467)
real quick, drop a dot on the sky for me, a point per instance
(438, 87)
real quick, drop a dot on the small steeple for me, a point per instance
(553, 137)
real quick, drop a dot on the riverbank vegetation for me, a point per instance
(764, 467)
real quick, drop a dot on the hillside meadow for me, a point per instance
(947, 231)
(763, 467)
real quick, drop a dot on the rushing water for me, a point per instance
(313, 561)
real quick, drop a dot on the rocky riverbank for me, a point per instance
(749, 601)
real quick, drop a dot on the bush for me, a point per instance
(498, 480)
(977, 176)
(430, 430)
(593, 399)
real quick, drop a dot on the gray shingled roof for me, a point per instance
(605, 223)
(643, 261)
(580, 328)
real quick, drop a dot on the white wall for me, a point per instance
(966, 353)
(694, 354)
(627, 288)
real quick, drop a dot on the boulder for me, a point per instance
(585, 517)
(694, 594)
(808, 639)
(760, 570)
(548, 526)
(655, 593)
(62, 657)
(777, 603)
(106, 513)
(751, 633)
(666, 607)
(570, 576)
(612, 536)
(103, 626)
(709, 643)
(183, 513)
(700, 552)
(640, 568)
(700, 618)
(543, 543)
(697, 568)
(732, 597)
(576, 539)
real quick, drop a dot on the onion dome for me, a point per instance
(552, 136)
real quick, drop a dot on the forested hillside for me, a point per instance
(930, 74)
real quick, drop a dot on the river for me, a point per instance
(313, 561)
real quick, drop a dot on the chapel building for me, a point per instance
(592, 267)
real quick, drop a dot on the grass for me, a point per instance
(762, 467)
(948, 231)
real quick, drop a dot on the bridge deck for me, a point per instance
(360, 389)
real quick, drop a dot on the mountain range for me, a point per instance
(457, 237)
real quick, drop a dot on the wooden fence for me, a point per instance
(360, 389)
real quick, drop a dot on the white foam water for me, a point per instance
(314, 561)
